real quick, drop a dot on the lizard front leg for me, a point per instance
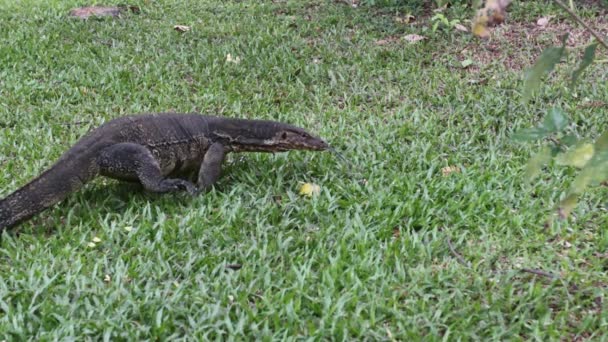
(211, 166)
(129, 161)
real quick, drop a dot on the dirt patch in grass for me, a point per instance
(516, 45)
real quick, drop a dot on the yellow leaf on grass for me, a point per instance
(309, 189)
(480, 26)
(493, 13)
(566, 206)
(446, 171)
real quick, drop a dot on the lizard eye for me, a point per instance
(284, 135)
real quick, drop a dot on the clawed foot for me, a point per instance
(181, 185)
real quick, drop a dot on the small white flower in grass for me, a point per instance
(96, 239)
(230, 59)
(107, 278)
(128, 228)
(91, 244)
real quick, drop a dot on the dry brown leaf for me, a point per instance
(461, 27)
(396, 232)
(386, 41)
(493, 13)
(101, 11)
(446, 171)
(542, 21)
(406, 19)
(181, 28)
(351, 3)
(441, 9)
(413, 38)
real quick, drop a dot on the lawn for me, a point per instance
(424, 236)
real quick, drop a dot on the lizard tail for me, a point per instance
(52, 186)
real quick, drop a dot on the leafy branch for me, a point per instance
(563, 148)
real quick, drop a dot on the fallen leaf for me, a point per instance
(101, 11)
(91, 244)
(441, 9)
(386, 41)
(107, 278)
(351, 3)
(542, 21)
(461, 27)
(310, 189)
(446, 171)
(128, 228)
(230, 59)
(96, 240)
(493, 13)
(406, 19)
(234, 267)
(466, 63)
(413, 38)
(396, 232)
(181, 28)
(566, 206)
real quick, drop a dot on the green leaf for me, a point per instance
(587, 60)
(536, 163)
(529, 134)
(599, 163)
(577, 156)
(555, 120)
(566, 206)
(601, 144)
(584, 178)
(544, 65)
(569, 140)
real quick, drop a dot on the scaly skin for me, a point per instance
(160, 151)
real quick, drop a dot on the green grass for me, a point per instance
(366, 259)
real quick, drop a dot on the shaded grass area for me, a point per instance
(367, 258)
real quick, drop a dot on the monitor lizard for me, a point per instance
(164, 152)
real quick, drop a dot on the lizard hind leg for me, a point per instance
(134, 162)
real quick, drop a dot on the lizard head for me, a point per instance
(267, 136)
(294, 138)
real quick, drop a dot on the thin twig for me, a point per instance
(75, 123)
(580, 21)
(539, 272)
(456, 255)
